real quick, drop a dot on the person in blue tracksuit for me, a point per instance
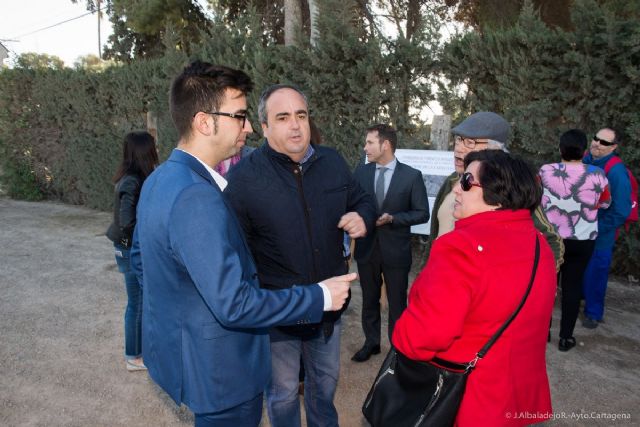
(603, 147)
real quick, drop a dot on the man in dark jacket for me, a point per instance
(402, 202)
(295, 201)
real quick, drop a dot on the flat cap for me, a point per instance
(484, 124)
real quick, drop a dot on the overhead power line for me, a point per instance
(56, 24)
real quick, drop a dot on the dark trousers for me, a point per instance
(397, 281)
(576, 257)
(247, 414)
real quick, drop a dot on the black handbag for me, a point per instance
(413, 393)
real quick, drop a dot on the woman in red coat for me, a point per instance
(475, 278)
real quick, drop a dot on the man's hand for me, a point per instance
(385, 218)
(339, 288)
(353, 224)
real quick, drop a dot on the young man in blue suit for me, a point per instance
(402, 201)
(206, 320)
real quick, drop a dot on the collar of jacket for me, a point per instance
(286, 160)
(180, 156)
(502, 215)
(589, 160)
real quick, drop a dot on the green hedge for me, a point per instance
(67, 125)
(546, 81)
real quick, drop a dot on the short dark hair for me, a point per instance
(385, 132)
(201, 87)
(264, 97)
(617, 134)
(507, 180)
(573, 144)
(139, 155)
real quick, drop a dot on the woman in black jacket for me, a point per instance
(140, 157)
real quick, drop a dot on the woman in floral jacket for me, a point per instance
(573, 192)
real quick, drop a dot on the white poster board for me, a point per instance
(435, 166)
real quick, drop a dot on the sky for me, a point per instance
(68, 40)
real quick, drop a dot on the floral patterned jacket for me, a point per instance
(573, 193)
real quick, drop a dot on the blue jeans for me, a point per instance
(321, 358)
(247, 414)
(133, 312)
(594, 285)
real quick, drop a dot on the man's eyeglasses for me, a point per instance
(467, 181)
(603, 141)
(241, 117)
(468, 142)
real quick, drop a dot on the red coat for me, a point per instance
(475, 278)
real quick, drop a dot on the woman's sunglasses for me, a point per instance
(467, 181)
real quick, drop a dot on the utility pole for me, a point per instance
(4, 52)
(99, 41)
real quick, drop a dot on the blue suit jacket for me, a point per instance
(205, 319)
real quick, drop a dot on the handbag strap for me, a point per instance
(483, 351)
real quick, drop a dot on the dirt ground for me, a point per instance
(61, 345)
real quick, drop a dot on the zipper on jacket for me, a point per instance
(297, 172)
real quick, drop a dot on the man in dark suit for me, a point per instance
(205, 323)
(402, 202)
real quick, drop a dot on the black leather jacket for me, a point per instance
(124, 210)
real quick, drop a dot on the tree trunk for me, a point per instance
(292, 22)
(314, 10)
(440, 131)
(152, 124)
(413, 18)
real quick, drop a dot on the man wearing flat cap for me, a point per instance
(480, 131)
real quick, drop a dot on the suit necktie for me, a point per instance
(380, 186)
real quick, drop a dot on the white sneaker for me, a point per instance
(131, 366)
